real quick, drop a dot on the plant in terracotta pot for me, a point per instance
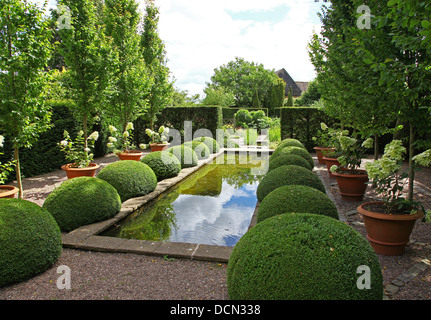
(351, 180)
(78, 154)
(331, 139)
(389, 222)
(6, 191)
(158, 138)
(324, 141)
(122, 145)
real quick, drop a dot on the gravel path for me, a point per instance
(118, 276)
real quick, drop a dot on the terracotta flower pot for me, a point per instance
(7, 191)
(320, 153)
(130, 155)
(352, 186)
(89, 171)
(329, 163)
(388, 234)
(159, 146)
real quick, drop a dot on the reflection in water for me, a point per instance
(212, 206)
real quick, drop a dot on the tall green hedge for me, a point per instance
(302, 123)
(205, 117)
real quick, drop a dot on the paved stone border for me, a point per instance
(88, 238)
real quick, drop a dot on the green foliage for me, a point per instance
(130, 178)
(81, 201)
(200, 148)
(250, 137)
(187, 157)
(218, 97)
(302, 257)
(289, 142)
(287, 175)
(309, 97)
(296, 199)
(211, 143)
(292, 150)
(287, 159)
(243, 118)
(30, 240)
(164, 164)
(77, 152)
(289, 102)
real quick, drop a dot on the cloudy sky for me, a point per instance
(201, 35)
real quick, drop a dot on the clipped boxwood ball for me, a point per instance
(130, 178)
(290, 143)
(81, 201)
(185, 155)
(164, 164)
(293, 150)
(200, 148)
(296, 198)
(211, 143)
(303, 256)
(286, 159)
(30, 240)
(287, 175)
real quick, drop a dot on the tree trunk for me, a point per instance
(376, 147)
(85, 129)
(18, 172)
(411, 167)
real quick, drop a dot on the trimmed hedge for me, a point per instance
(287, 175)
(290, 143)
(286, 159)
(302, 256)
(130, 178)
(81, 201)
(211, 143)
(293, 150)
(296, 198)
(200, 148)
(30, 240)
(185, 155)
(164, 164)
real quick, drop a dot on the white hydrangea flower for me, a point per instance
(125, 134)
(129, 126)
(143, 146)
(63, 143)
(424, 158)
(112, 139)
(323, 126)
(148, 132)
(94, 136)
(112, 129)
(368, 143)
(87, 150)
(1, 141)
(161, 129)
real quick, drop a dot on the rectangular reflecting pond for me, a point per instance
(214, 205)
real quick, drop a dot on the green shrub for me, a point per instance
(130, 178)
(302, 256)
(30, 240)
(250, 137)
(243, 118)
(81, 201)
(211, 143)
(296, 198)
(287, 175)
(200, 148)
(293, 150)
(291, 143)
(185, 155)
(164, 164)
(286, 159)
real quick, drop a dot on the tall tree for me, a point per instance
(24, 51)
(130, 80)
(87, 56)
(153, 51)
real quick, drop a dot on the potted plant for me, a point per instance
(324, 142)
(79, 155)
(122, 145)
(6, 191)
(330, 157)
(351, 180)
(389, 222)
(158, 139)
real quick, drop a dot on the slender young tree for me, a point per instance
(87, 57)
(153, 52)
(24, 50)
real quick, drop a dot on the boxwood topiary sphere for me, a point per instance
(293, 150)
(290, 143)
(303, 256)
(30, 240)
(211, 143)
(286, 159)
(130, 178)
(296, 198)
(81, 201)
(200, 148)
(185, 155)
(164, 164)
(287, 175)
